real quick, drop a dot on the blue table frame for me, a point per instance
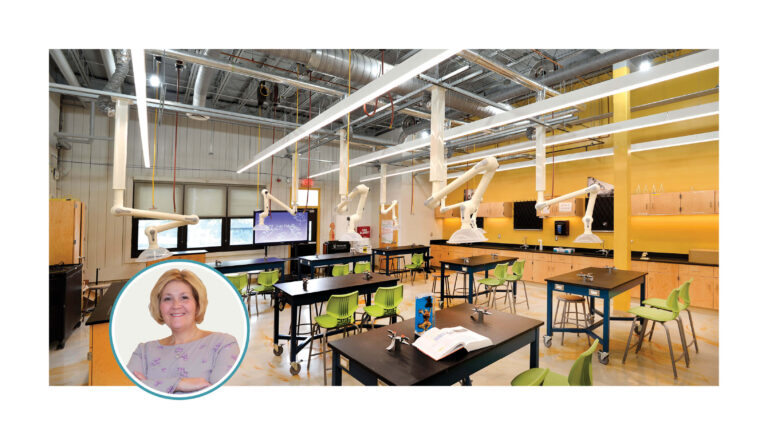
(607, 283)
(238, 266)
(313, 261)
(399, 250)
(470, 265)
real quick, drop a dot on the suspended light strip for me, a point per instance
(688, 65)
(391, 79)
(607, 152)
(679, 115)
(140, 83)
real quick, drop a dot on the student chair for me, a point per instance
(265, 285)
(645, 314)
(417, 264)
(385, 303)
(340, 270)
(514, 276)
(339, 313)
(498, 278)
(362, 267)
(685, 297)
(240, 281)
(580, 374)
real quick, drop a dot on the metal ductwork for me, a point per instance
(203, 81)
(584, 64)
(366, 69)
(109, 61)
(122, 65)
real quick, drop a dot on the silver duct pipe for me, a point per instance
(572, 70)
(204, 76)
(66, 70)
(109, 61)
(115, 83)
(366, 69)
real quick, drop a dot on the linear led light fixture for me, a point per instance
(140, 83)
(607, 152)
(417, 63)
(688, 65)
(679, 115)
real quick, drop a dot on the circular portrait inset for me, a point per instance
(179, 329)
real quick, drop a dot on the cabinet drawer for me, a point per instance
(561, 259)
(670, 268)
(639, 266)
(541, 257)
(688, 271)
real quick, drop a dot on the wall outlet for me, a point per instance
(498, 236)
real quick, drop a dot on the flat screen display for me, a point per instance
(525, 216)
(282, 227)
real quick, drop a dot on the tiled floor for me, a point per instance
(650, 367)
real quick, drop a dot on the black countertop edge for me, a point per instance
(658, 257)
(103, 310)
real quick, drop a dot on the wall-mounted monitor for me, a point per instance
(525, 218)
(281, 227)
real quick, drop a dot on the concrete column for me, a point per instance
(622, 252)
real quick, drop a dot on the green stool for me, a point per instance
(340, 270)
(240, 281)
(362, 267)
(498, 278)
(340, 313)
(265, 285)
(580, 374)
(385, 302)
(511, 278)
(685, 297)
(417, 263)
(645, 314)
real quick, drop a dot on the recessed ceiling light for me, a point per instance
(154, 80)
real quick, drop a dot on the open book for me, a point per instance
(439, 343)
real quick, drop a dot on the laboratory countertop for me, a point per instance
(103, 310)
(658, 257)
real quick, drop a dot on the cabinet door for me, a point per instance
(639, 266)
(665, 203)
(703, 285)
(717, 201)
(541, 270)
(697, 202)
(558, 268)
(659, 284)
(716, 296)
(640, 204)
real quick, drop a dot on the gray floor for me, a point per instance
(650, 367)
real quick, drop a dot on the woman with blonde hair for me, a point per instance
(190, 359)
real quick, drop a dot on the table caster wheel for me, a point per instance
(638, 329)
(547, 340)
(442, 304)
(281, 306)
(603, 357)
(277, 349)
(295, 368)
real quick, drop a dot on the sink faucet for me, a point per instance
(525, 243)
(603, 251)
(541, 245)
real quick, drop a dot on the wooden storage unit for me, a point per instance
(66, 231)
(103, 368)
(641, 203)
(703, 286)
(661, 279)
(717, 201)
(639, 266)
(697, 202)
(495, 209)
(665, 203)
(450, 213)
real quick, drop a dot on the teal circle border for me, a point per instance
(220, 383)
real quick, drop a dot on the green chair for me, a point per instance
(514, 276)
(498, 278)
(385, 302)
(645, 314)
(417, 263)
(339, 313)
(265, 285)
(362, 267)
(580, 374)
(685, 297)
(340, 270)
(240, 281)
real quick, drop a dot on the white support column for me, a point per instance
(343, 163)
(438, 171)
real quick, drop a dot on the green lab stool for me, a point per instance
(685, 297)
(498, 278)
(362, 267)
(417, 263)
(645, 314)
(240, 281)
(511, 278)
(580, 374)
(385, 302)
(340, 313)
(265, 284)
(340, 270)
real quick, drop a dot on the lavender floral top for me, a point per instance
(210, 357)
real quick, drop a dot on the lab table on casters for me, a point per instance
(470, 265)
(365, 358)
(400, 250)
(318, 290)
(607, 283)
(238, 266)
(313, 261)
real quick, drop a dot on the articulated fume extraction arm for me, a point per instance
(268, 197)
(342, 208)
(383, 198)
(154, 251)
(468, 232)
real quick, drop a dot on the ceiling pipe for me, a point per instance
(115, 83)
(502, 70)
(66, 69)
(203, 81)
(109, 61)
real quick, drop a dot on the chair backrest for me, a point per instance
(581, 371)
(685, 295)
(342, 307)
(268, 278)
(240, 281)
(672, 301)
(388, 297)
(517, 269)
(362, 267)
(417, 259)
(340, 269)
(501, 271)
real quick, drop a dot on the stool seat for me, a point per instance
(571, 298)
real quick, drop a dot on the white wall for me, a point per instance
(54, 103)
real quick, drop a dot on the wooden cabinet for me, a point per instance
(495, 209)
(717, 201)
(66, 231)
(450, 213)
(716, 296)
(661, 279)
(665, 203)
(697, 202)
(703, 286)
(638, 266)
(641, 203)
(568, 208)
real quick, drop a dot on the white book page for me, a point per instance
(437, 343)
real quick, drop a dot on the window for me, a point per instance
(206, 234)
(312, 201)
(240, 231)
(166, 239)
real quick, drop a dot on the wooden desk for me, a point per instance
(367, 360)
(400, 250)
(313, 261)
(318, 290)
(607, 283)
(470, 265)
(103, 369)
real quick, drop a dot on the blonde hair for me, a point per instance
(187, 277)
